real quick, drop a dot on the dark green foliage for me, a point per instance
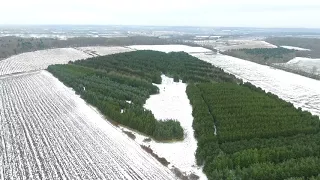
(167, 130)
(308, 43)
(176, 78)
(263, 55)
(243, 113)
(149, 65)
(259, 136)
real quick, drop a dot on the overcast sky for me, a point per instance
(244, 13)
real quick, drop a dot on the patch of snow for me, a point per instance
(172, 103)
(105, 50)
(296, 48)
(224, 45)
(301, 91)
(170, 48)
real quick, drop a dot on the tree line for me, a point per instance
(263, 55)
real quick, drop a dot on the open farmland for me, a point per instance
(104, 50)
(225, 44)
(47, 132)
(170, 48)
(39, 60)
(305, 65)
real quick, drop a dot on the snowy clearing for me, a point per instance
(301, 91)
(37, 60)
(48, 132)
(104, 50)
(296, 48)
(170, 48)
(172, 103)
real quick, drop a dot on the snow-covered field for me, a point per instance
(301, 91)
(170, 48)
(296, 48)
(48, 132)
(105, 50)
(225, 45)
(304, 64)
(37, 60)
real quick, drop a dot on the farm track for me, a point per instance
(47, 132)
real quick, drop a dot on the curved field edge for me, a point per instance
(258, 136)
(109, 82)
(47, 132)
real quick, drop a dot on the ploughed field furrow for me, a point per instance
(37, 60)
(47, 132)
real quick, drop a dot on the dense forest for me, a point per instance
(118, 85)
(15, 45)
(263, 55)
(308, 43)
(258, 135)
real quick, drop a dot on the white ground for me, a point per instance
(224, 45)
(301, 91)
(304, 64)
(48, 132)
(172, 103)
(170, 48)
(38, 60)
(296, 48)
(105, 50)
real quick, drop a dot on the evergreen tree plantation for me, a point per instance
(110, 82)
(259, 136)
(242, 131)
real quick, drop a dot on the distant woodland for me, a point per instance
(15, 45)
(263, 55)
(308, 43)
